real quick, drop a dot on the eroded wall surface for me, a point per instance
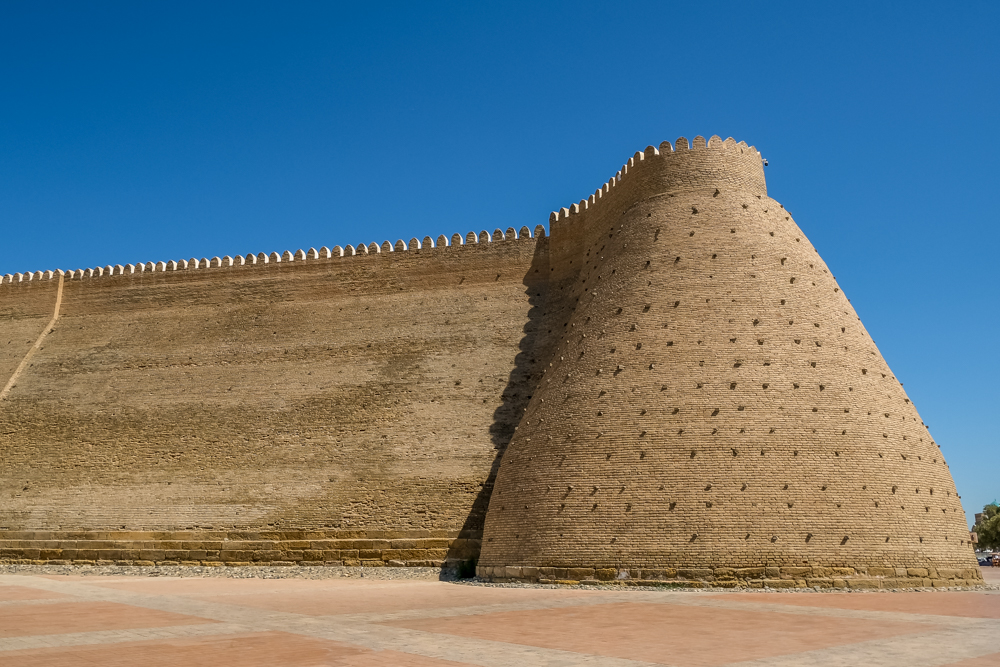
(345, 409)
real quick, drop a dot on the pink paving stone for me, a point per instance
(265, 649)
(674, 634)
(943, 603)
(331, 597)
(66, 617)
(12, 593)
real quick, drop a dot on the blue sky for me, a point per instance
(152, 131)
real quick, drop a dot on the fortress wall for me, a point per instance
(715, 409)
(347, 409)
(25, 310)
(694, 398)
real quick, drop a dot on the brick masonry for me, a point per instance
(324, 409)
(714, 409)
(694, 400)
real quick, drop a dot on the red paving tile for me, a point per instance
(677, 634)
(326, 598)
(11, 593)
(945, 603)
(270, 649)
(64, 617)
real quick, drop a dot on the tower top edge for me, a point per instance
(676, 158)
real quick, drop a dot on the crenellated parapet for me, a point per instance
(286, 257)
(680, 165)
(672, 170)
(669, 167)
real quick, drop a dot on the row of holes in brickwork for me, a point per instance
(621, 488)
(808, 537)
(710, 504)
(627, 507)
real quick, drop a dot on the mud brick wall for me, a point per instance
(670, 387)
(356, 403)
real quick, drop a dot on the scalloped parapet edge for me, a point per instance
(310, 255)
(665, 150)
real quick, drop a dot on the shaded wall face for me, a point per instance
(360, 394)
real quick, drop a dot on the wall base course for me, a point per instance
(724, 577)
(226, 548)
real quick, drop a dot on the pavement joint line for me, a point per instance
(835, 612)
(474, 610)
(920, 649)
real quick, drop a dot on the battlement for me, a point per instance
(676, 166)
(262, 259)
(699, 168)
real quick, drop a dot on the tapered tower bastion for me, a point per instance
(714, 408)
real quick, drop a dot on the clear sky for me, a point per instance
(153, 131)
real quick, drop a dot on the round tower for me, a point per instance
(713, 409)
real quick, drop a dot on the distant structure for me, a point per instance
(669, 387)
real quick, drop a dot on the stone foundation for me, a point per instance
(747, 577)
(200, 547)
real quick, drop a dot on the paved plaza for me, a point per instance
(112, 621)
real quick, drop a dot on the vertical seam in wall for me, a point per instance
(38, 343)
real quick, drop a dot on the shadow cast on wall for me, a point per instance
(534, 348)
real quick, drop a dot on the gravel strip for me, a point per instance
(395, 573)
(238, 572)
